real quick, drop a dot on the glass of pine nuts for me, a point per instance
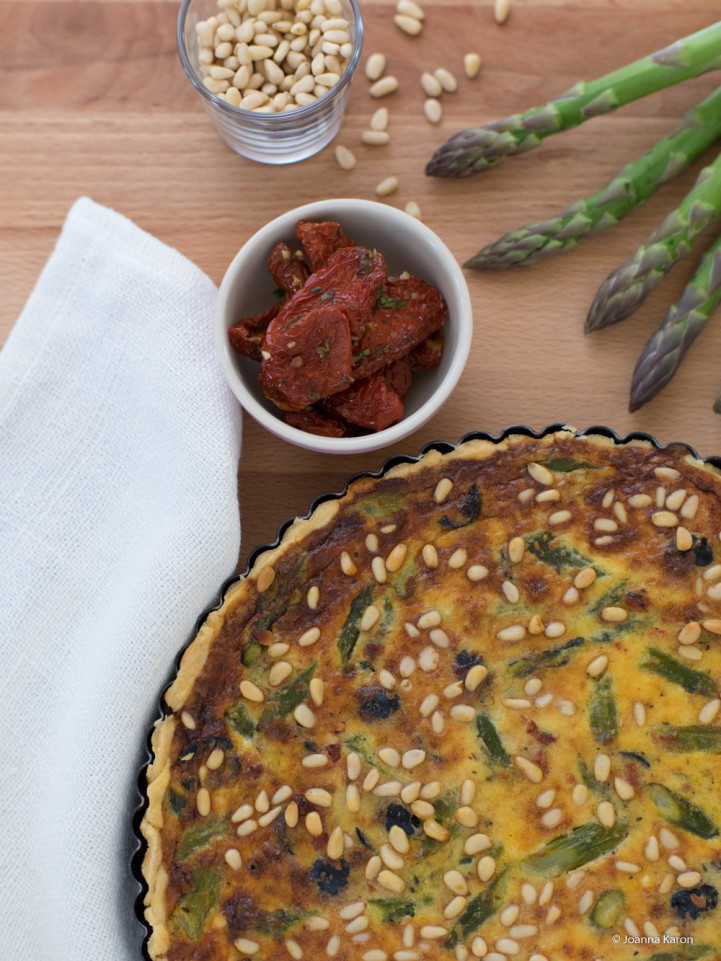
(274, 75)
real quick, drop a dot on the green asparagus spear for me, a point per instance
(286, 699)
(695, 737)
(626, 288)
(603, 716)
(351, 629)
(662, 355)
(571, 851)
(631, 187)
(491, 739)
(680, 812)
(606, 909)
(191, 912)
(478, 148)
(478, 910)
(691, 680)
(200, 835)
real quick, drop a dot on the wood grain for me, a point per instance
(93, 101)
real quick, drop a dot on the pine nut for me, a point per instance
(606, 814)
(410, 9)
(251, 692)
(375, 66)
(471, 65)
(624, 790)
(304, 716)
(664, 519)
(391, 882)
(375, 138)
(597, 666)
(407, 24)
(602, 767)
(433, 110)
(446, 79)
(387, 186)
(532, 771)
(414, 210)
(501, 10)
(580, 795)
(246, 946)
(379, 120)
(384, 86)
(708, 712)
(614, 615)
(486, 868)
(431, 85)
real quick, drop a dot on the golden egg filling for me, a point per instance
(468, 710)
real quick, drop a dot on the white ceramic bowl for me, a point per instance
(406, 244)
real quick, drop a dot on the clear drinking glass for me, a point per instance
(273, 138)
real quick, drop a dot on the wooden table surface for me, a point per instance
(93, 102)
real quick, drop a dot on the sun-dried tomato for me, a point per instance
(427, 355)
(407, 313)
(398, 376)
(288, 269)
(313, 422)
(349, 279)
(246, 337)
(320, 240)
(308, 357)
(369, 403)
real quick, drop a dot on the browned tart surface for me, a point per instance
(468, 710)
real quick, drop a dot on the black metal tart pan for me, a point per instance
(138, 801)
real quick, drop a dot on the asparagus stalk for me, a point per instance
(662, 355)
(680, 812)
(697, 737)
(582, 844)
(626, 288)
(667, 667)
(478, 148)
(491, 739)
(632, 186)
(603, 715)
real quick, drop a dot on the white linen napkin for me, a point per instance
(119, 443)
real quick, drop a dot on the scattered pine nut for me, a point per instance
(410, 9)
(345, 157)
(446, 79)
(409, 25)
(384, 86)
(471, 65)
(375, 138)
(387, 186)
(501, 10)
(379, 120)
(413, 209)
(431, 85)
(433, 110)
(375, 66)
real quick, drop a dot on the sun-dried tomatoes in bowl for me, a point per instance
(343, 326)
